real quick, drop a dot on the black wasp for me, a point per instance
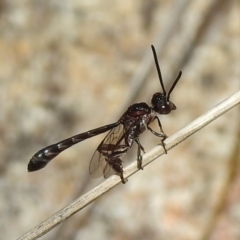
(107, 158)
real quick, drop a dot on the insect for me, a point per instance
(122, 134)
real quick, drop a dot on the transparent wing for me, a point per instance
(98, 166)
(113, 144)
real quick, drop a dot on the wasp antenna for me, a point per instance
(174, 84)
(158, 70)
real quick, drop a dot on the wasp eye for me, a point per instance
(161, 105)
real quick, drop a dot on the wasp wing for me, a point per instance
(113, 145)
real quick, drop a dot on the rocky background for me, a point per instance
(70, 66)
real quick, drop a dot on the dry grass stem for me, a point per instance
(171, 142)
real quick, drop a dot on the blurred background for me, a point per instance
(70, 66)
